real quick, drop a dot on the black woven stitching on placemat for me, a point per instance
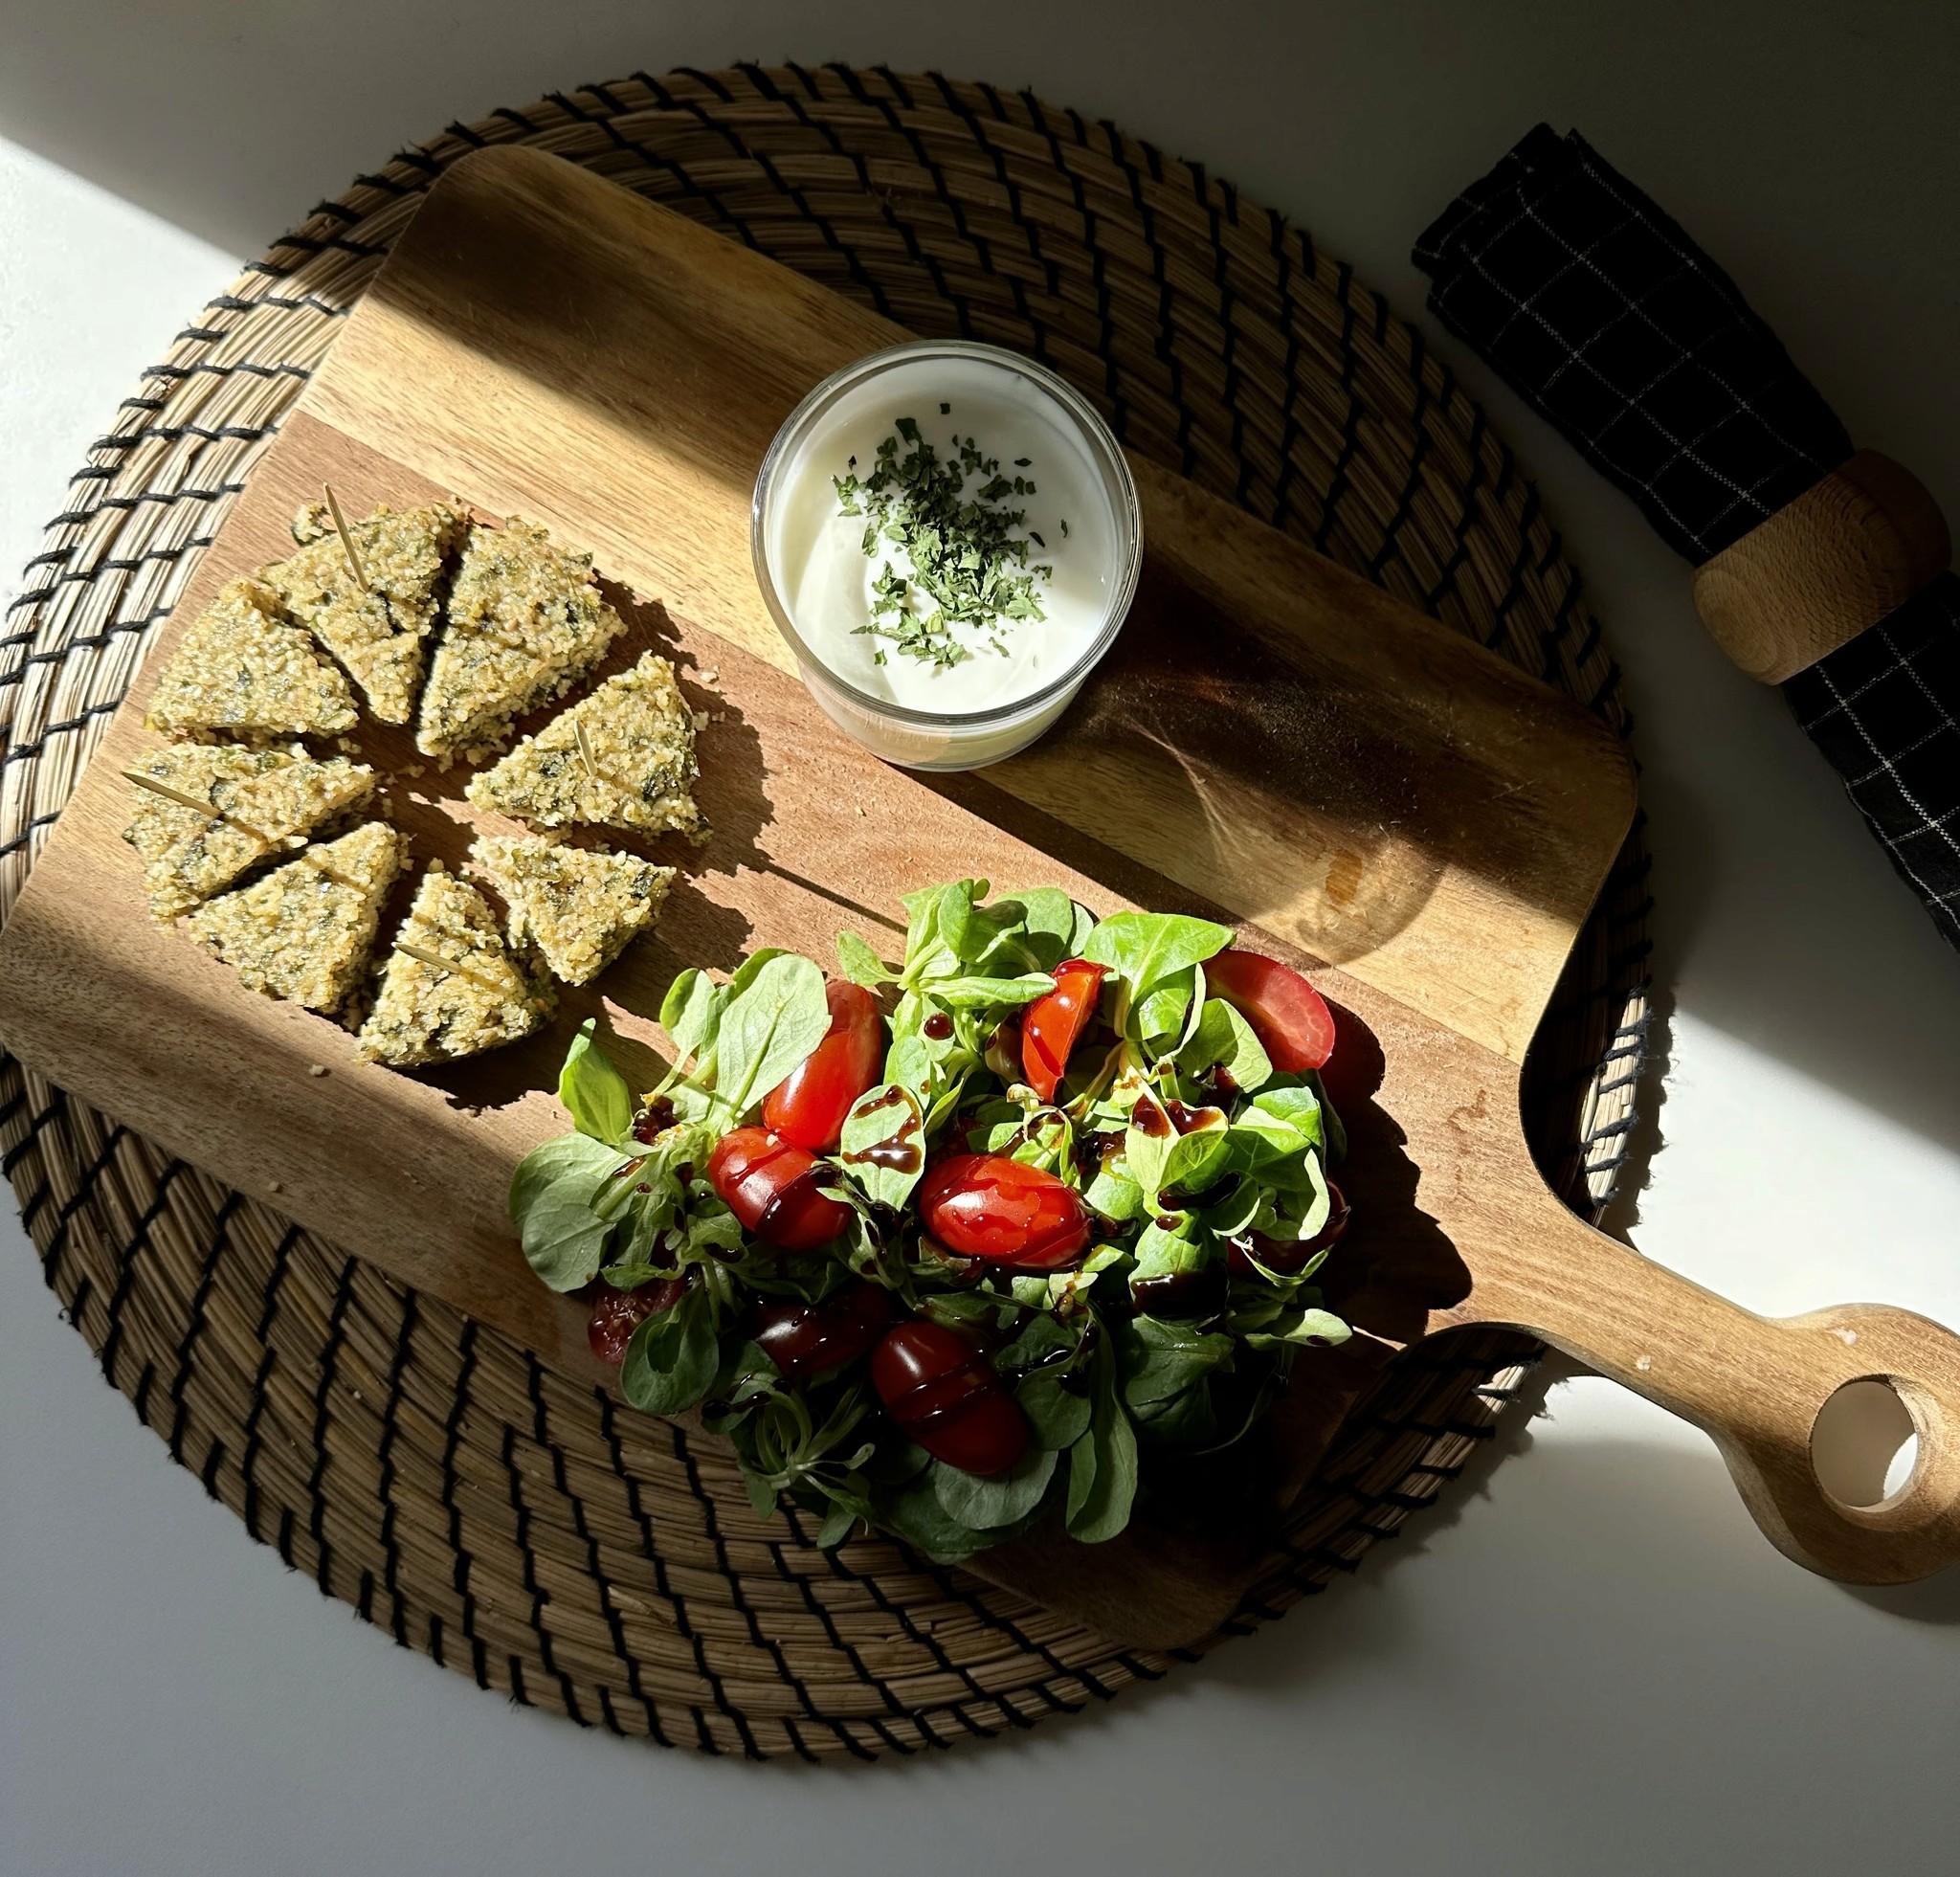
(1160, 272)
(248, 1458)
(1470, 513)
(1290, 427)
(1351, 427)
(835, 1636)
(1405, 507)
(1098, 261)
(58, 1106)
(1006, 1626)
(387, 185)
(708, 81)
(919, 255)
(946, 197)
(547, 1654)
(1551, 637)
(667, 101)
(216, 1246)
(418, 158)
(823, 224)
(84, 1191)
(1521, 561)
(654, 159)
(89, 642)
(178, 433)
(904, 229)
(1036, 329)
(711, 1523)
(390, 1432)
(650, 1549)
(170, 498)
(534, 1382)
(140, 1398)
(323, 1415)
(237, 369)
(1021, 1639)
(26, 751)
(319, 244)
(1221, 280)
(1031, 233)
(842, 1569)
(452, 1490)
(305, 303)
(151, 556)
(125, 1277)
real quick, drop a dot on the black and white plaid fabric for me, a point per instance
(1883, 710)
(1600, 311)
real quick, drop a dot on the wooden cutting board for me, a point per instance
(1273, 741)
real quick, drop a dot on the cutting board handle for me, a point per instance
(1756, 1385)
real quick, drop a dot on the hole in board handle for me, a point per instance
(1863, 1444)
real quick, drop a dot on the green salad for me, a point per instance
(1002, 1232)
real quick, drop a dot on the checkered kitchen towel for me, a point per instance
(1602, 313)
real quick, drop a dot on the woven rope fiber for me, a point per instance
(511, 1524)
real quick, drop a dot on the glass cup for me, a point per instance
(901, 733)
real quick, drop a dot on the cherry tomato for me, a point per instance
(615, 1314)
(1003, 1212)
(808, 1106)
(1289, 1015)
(1286, 1256)
(944, 1395)
(1050, 1025)
(804, 1339)
(771, 1187)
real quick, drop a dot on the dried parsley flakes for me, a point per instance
(969, 567)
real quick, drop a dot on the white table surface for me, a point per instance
(1589, 1660)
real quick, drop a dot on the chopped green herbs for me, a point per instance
(969, 567)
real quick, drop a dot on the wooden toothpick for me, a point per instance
(176, 796)
(203, 808)
(333, 508)
(436, 962)
(591, 762)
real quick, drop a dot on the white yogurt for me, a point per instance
(1079, 521)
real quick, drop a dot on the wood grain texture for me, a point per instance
(1274, 742)
(1824, 568)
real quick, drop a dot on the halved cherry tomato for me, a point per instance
(806, 1339)
(1286, 1256)
(1289, 1015)
(615, 1314)
(943, 1393)
(1051, 1024)
(808, 1106)
(771, 1187)
(1004, 1211)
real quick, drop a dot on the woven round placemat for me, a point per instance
(500, 1518)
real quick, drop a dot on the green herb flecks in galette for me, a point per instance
(984, 1236)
